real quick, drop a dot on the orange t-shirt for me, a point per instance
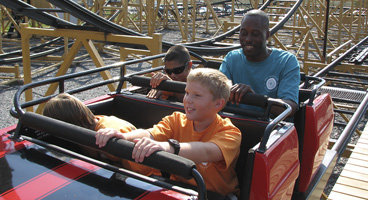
(220, 176)
(124, 127)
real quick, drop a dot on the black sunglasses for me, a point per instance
(176, 70)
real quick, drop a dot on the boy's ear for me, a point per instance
(220, 103)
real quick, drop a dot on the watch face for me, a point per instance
(175, 142)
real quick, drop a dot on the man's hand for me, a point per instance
(237, 92)
(144, 147)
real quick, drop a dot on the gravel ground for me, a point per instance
(7, 92)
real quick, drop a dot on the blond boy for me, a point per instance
(203, 136)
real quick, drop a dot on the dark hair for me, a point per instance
(178, 53)
(260, 14)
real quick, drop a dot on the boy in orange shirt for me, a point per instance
(200, 135)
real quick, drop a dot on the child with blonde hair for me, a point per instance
(200, 134)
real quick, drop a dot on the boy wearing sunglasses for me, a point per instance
(177, 67)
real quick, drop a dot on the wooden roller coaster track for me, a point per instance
(328, 37)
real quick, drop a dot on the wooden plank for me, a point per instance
(358, 162)
(363, 185)
(357, 156)
(354, 175)
(352, 183)
(360, 150)
(364, 135)
(352, 191)
(354, 168)
(361, 145)
(335, 195)
(363, 140)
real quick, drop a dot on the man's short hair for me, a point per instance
(178, 53)
(215, 81)
(258, 13)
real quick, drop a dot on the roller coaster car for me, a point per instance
(40, 158)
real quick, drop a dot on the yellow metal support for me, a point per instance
(1, 44)
(91, 49)
(186, 16)
(154, 48)
(62, 70)
(26, 62)
(11, 70)
(81, 38)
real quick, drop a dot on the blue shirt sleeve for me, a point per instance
(290, 80)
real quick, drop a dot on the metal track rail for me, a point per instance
(20, 7)
(205, 47)
(41, 15)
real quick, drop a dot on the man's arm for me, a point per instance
(288, 90)
(239, 90)
(276, 110)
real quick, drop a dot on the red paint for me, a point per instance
(319, 124)
(275, 171)
(50, 181)
(7, 145)
(164, 194)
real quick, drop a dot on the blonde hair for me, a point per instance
(215, 81)
(67, 108)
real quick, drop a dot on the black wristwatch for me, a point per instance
(175, 144)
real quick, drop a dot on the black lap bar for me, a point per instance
(176, 86)
(254, 99)
(167, 85)
(161, 160)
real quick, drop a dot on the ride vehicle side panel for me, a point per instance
(319, 118)
(276, 170)
(29, 171)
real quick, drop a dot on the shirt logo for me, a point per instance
(271, 83)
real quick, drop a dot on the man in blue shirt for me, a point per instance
(259, 69)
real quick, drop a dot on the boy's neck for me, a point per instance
(202, 125)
